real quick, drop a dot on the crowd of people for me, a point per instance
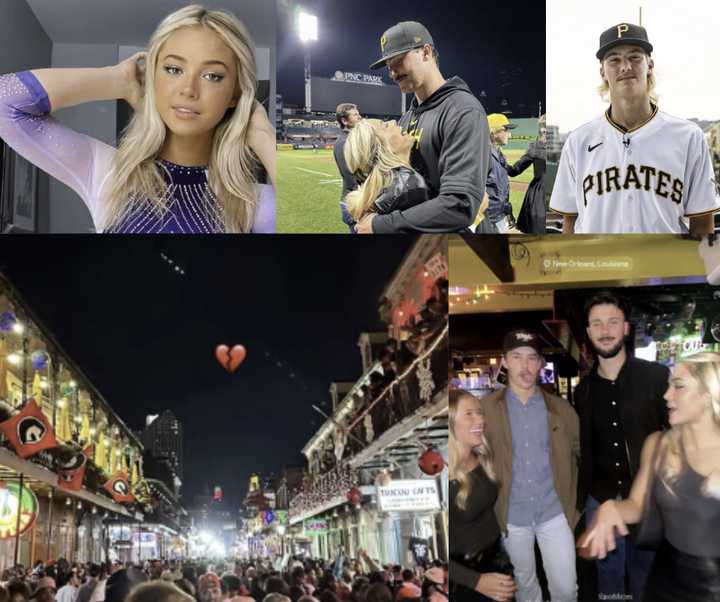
(300, 580)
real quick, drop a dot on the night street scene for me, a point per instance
(242, 417)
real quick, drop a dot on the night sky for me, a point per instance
(145, 335)
(496, 47)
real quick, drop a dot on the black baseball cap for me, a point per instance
(401, 38)
(521, 338)
(623, 33)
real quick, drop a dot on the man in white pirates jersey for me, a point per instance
(635, 169)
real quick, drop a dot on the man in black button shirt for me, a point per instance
(620, 402)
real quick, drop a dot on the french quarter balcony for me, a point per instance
(404, 383)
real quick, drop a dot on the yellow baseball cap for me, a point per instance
(498, 120)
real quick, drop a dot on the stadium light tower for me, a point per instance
(308, 30)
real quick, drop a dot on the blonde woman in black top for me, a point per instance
(676, 493)
(480, 569)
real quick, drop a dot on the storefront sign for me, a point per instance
(678, 347)
(436, 266)
(28, 508)
(316, 526)
(417, 495)
(145, 538)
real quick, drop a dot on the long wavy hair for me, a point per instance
(135, 174)
(371, 160)
(482, 452)
(705, 368)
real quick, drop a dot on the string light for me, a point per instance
(18, 328)
(14, 358)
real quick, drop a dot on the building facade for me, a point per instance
(394, 414)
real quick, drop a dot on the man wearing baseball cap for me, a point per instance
(636, 169)
(499, 211)
(536, 441)
(452, 143)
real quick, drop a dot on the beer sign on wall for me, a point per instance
(9, 508)
(409, 495)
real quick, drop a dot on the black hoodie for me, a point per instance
(452, 153)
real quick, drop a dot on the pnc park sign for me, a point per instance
(358, 78)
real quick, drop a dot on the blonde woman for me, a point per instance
(480, 569)
(676, 492)
(186, 162)
(377, 153)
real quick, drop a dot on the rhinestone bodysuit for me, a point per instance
(85, 164)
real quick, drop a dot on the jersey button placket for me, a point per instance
(627, 209)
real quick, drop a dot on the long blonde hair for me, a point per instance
(370, 158)
(483, 452)
(135, 174)
(705, 368)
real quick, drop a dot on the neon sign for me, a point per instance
(9, 507)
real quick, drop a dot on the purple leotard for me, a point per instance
(85, 164)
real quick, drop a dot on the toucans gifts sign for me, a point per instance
(409, 495)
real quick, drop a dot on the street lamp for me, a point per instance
(308, 32)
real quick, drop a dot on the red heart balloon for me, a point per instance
(230, 359)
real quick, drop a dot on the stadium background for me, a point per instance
(309, 196)
(509, 78)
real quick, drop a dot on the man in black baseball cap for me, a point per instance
(521, 338)
(623, 33)
(627, 72)
(535, 439)
(402, 38)
(452, 140)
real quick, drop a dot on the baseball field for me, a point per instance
(309, 186)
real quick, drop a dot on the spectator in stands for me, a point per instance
(378, 155)
(531, 219)
(347, 115)
(499, 211)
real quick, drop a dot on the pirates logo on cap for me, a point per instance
(524, 336)
(622, 28)
(30, 430)
(383, 43)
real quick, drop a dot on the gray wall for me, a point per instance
(97, 119)
(25, 45)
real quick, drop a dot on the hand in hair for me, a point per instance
(131, 73)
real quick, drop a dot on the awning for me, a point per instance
(43, 475)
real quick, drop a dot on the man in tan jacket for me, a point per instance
(535, 440)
